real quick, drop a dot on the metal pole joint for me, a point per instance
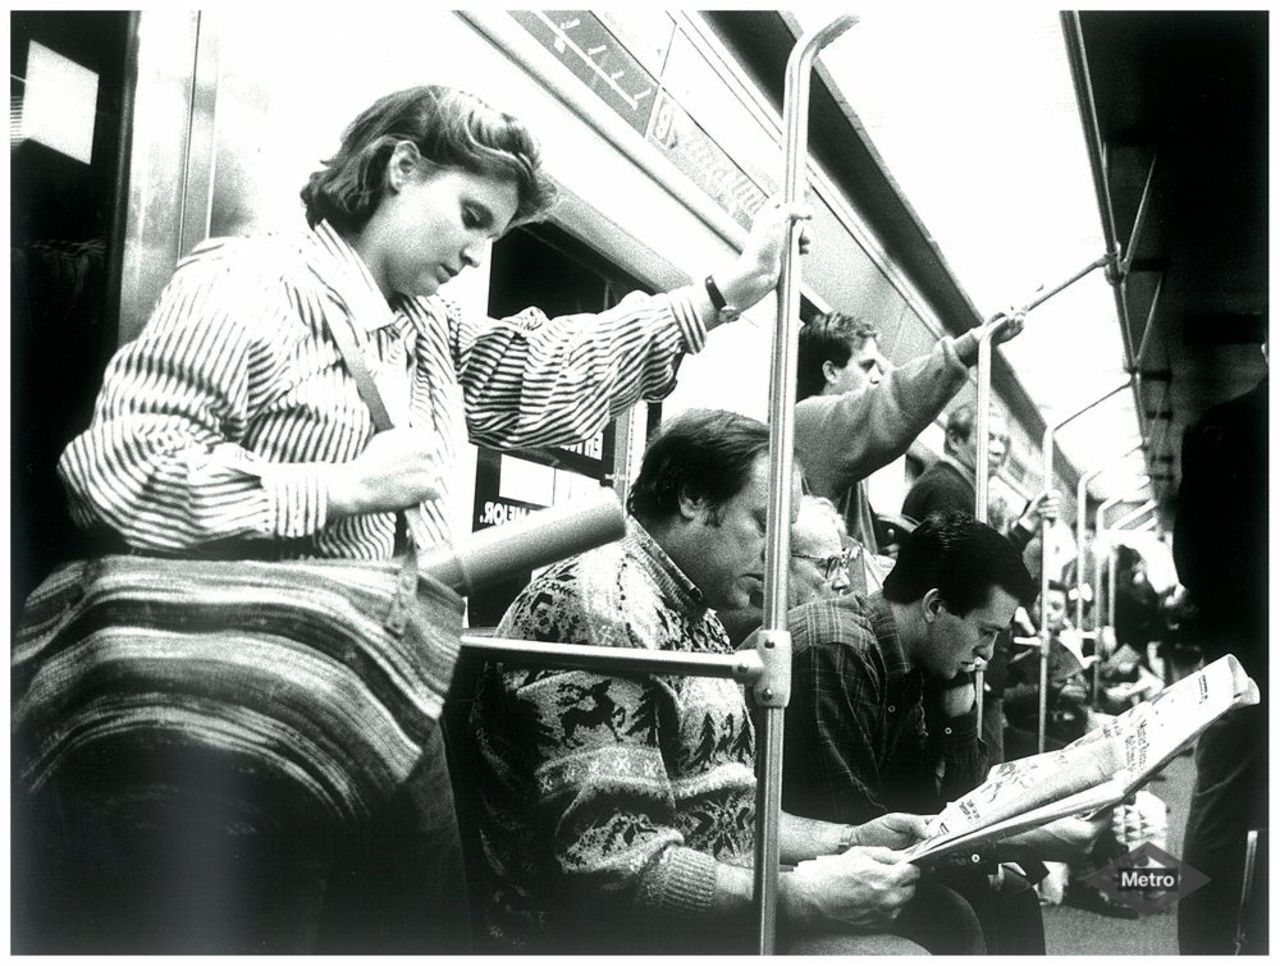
(1116, 270)
(773, 688)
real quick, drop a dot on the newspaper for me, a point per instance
(1094, 772)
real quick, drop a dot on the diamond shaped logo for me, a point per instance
(1147, 879)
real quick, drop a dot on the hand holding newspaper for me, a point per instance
(1094, 772)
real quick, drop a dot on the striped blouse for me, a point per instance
(217, 423)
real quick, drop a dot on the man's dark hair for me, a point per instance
(702, 454)
(830, 335)
(1058, 585)
(963, 559)
(960, 422)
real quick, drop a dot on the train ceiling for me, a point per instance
(1187, 89)
(1181, 104)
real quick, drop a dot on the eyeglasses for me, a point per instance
(830, 566)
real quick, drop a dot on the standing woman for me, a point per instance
(231, 428)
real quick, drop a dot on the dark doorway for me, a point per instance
(544, 266)
(65, 224)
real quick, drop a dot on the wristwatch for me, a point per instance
(848, 838)
(724, 311)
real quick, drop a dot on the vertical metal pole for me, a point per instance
(1082, 502)
(1099, 521)
(1246, 890)
(1101, 621)
(982, 460)
(1046, 451)
(1112, 557)
(982, 417)
(1046, 635)
(1082, 499)
(774, 647)
(1082, 530)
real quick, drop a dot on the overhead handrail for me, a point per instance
(772, 689)
(1082, 501)
(1047, 294)
(1129, 519)
(1122, 261)
(981, 418)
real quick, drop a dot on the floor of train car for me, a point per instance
(1076, 932)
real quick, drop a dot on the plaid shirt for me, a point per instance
(856, 744)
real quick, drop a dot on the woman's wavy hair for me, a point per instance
(451, 129)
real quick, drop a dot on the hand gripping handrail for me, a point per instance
(772, 690)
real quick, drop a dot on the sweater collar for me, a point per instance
(663, 569)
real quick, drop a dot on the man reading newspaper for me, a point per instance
(1094, 772)
(855, 739)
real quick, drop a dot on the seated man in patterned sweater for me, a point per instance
(618, 813)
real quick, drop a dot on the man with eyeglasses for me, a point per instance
(819, 566)
(856, 742)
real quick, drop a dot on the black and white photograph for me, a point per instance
(639, 481)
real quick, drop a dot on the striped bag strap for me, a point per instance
(344, 338)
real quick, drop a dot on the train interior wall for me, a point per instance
(255, 116)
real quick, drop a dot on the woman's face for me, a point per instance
(436, 222)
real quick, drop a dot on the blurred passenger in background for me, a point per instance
(1068, 696)
(949, 484)
(1137, 607)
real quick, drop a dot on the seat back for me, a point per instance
(464, 776)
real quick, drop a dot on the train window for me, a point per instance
(67, 95)
(544, 266)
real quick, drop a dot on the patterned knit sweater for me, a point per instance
(606, 801)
